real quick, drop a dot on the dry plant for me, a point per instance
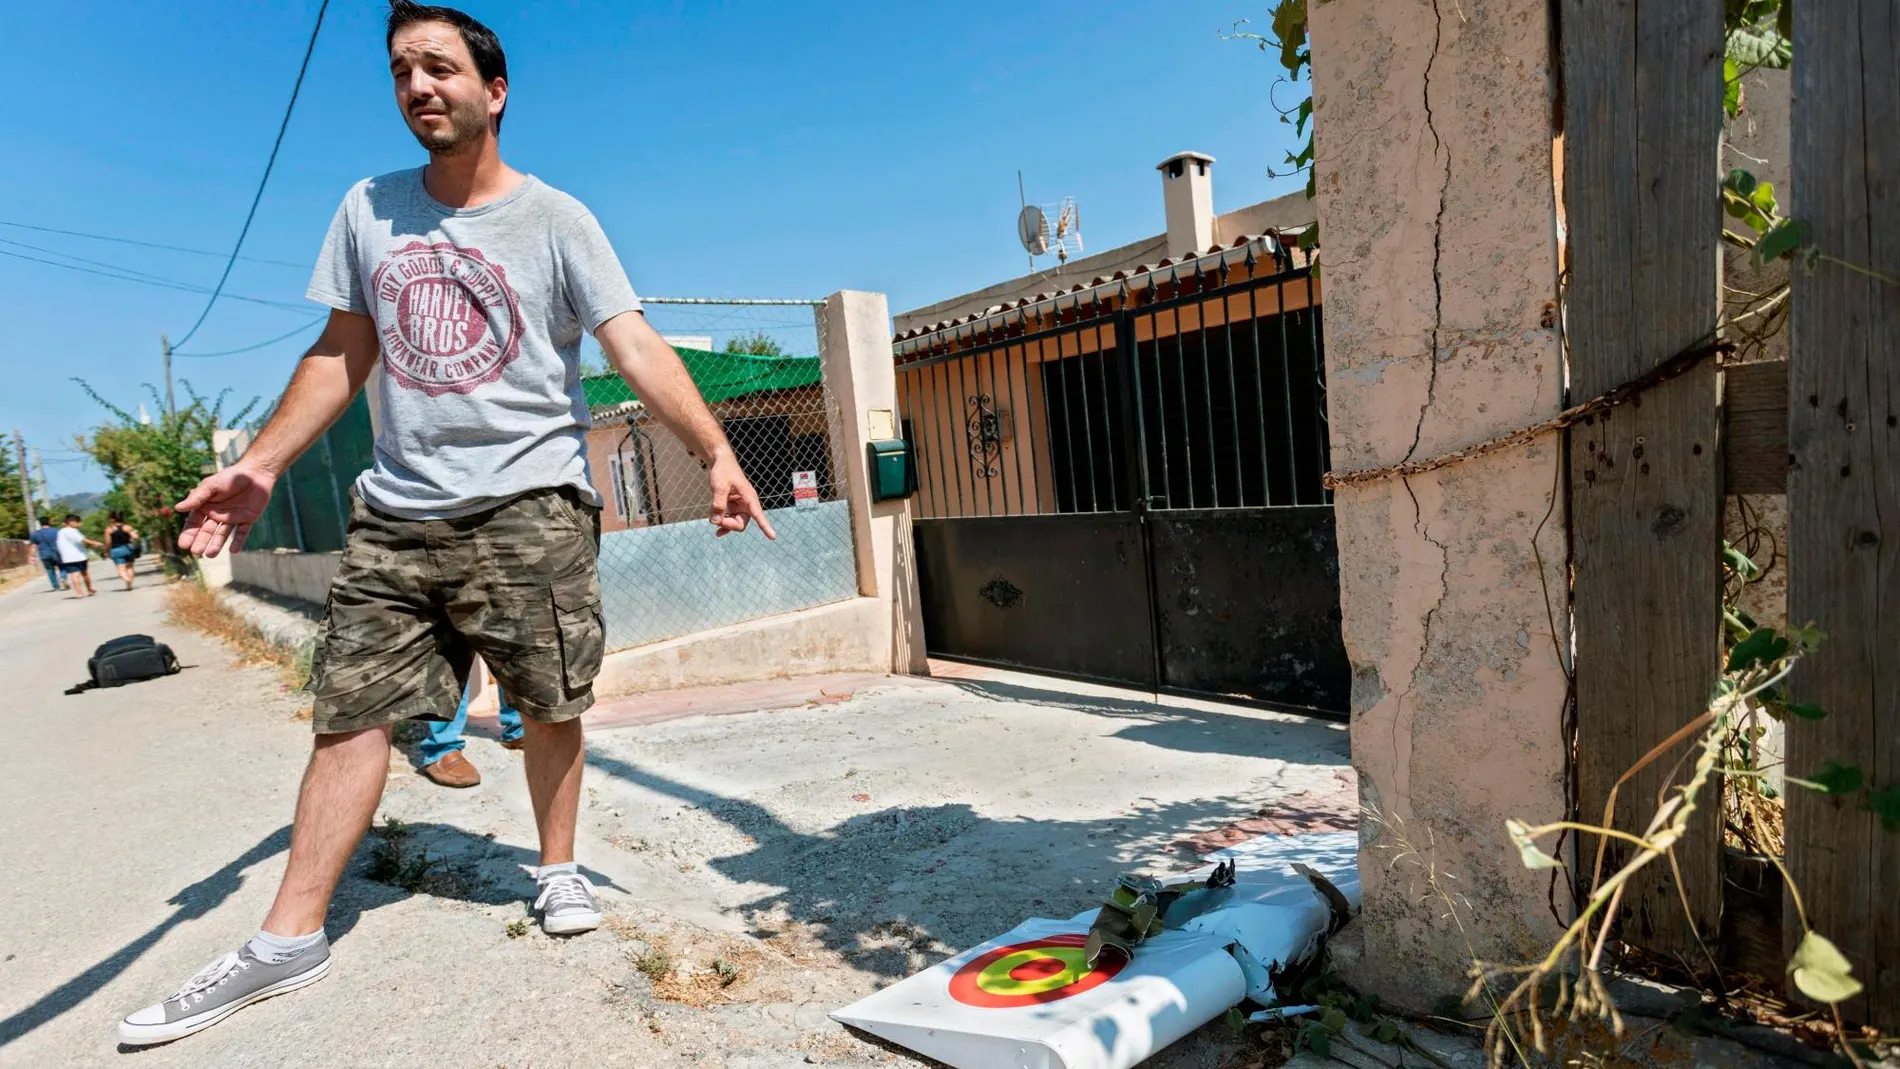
(1568, 981)
(189, 604)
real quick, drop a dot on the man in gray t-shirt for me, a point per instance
(476, 529)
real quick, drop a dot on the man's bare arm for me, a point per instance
(657, 375)
(224, 506)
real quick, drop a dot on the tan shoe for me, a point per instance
(452, 770)
(512, 744)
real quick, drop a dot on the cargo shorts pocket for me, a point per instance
(582, 629)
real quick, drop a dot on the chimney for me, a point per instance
(1187, 192)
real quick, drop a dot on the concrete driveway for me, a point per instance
(767, 853)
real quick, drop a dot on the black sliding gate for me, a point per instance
(1128, 489)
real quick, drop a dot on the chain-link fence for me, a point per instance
(662, 573)
(310, 506)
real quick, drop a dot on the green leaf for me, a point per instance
(1763, 198)
(1739, 563)
(1759, 46)
(1385, 1031)
(1762, 646)
(1739, 182)
(1821, 971)
(1236, 1020)
(1333, 1019)
(1731, 88)
(1886, 805)
(1805, 711)
(1785, 237)
(1527, 849)
(1303, 114)
(1784, 21)
(1320, 1040)
(1289, 25)
(1837, 778)
(1806, 638)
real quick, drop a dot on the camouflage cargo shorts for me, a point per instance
(414, 601)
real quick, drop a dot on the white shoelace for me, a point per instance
(209, 977)
(569, 890)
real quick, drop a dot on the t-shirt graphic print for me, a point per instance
(479, 316)
(448, 320)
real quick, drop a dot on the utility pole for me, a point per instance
(26, 486)
(39, 482)
(170, 404)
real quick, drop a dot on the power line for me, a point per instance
(145, 244)
(293, 332)
(262, 182)
(130, 272)
(139, 277)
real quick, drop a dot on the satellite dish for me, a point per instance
(1032, 226)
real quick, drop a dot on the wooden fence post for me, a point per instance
(1844, 484)
(1643, 93)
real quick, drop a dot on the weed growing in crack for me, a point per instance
(656, 964)
(396, 861)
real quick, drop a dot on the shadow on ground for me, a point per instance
(892, 889)
(1182, 728)
(428, 859)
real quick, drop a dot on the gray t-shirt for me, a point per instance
(480, 313)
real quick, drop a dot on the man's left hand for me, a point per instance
(734, 503)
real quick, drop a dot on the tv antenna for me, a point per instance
(1046, 228)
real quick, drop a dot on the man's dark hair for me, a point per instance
(490, 61)
(72, 517)
(46, 521)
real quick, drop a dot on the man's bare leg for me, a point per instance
(553, 755)
(341, 787)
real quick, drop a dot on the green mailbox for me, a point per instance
(893, 469)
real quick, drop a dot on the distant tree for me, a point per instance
(154, 464)
(593, 361)
(757, 343)
(12, 508)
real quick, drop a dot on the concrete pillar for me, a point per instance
(855, 348)
(1439, 249)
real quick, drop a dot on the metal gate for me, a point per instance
(1124, 484)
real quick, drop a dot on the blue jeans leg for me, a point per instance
(510, 721)
(445, 737)
(52, 572)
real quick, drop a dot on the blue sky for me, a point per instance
(743, 148)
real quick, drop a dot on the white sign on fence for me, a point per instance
(805, 489)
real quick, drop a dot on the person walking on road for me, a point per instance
(45, 538)
(74, 561)
(475, 531)
(121, 546)
(441, 748)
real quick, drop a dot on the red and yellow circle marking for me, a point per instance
(1031, 973)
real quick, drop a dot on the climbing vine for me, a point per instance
(1288, 42)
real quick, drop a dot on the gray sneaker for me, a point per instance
(568, 905)
(219, 990)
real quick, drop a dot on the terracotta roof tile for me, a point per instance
(1213, 259)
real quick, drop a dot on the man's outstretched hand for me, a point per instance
(222, 509)
(734, 502)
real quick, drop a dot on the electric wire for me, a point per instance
(139, 277)
(145, 244)
(291, 333)
(265, 180)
